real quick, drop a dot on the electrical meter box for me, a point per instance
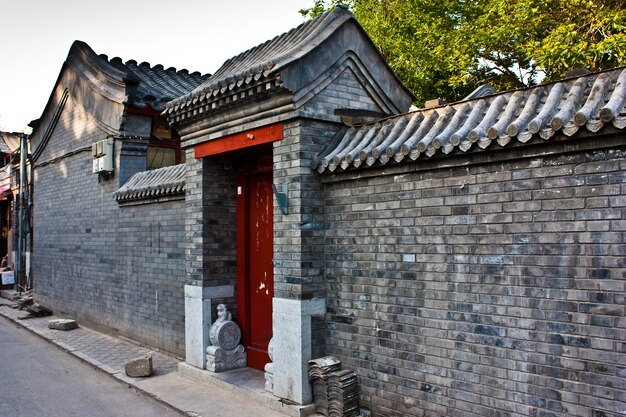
(102, 151)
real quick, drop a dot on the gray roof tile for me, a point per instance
(153, 85)
(263, 62)
(589, 102)
(154, 183)
(145, 85)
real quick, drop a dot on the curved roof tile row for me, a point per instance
(155, 86)
(264, 60)
(237, 85)
(154, 183)
(590, 102)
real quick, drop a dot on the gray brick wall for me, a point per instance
(298, 236)
(119, 269)
(483, 290)
(211, 224)
(344, 92)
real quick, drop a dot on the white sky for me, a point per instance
(199, 35)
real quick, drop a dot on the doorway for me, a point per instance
(255, 252)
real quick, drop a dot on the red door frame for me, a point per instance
(257, 358)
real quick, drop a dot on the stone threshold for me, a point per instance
(250, 383)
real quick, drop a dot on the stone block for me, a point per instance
(62, 324)
(139, 367)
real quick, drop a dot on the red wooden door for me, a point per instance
(255, 264)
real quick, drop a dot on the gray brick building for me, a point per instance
(464, 260)
(113, 262)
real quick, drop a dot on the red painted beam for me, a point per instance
(265, 134)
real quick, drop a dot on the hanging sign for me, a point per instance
(8, 278)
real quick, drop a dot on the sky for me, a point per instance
(199, 35)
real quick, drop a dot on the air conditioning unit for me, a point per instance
(102, 152)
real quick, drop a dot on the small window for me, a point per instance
(159, 157)
(164, 147)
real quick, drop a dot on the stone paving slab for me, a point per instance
(182, 393)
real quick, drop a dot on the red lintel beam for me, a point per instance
(265, 134)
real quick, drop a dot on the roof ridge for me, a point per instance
(320, 24)
(148, 65)
(152, 85)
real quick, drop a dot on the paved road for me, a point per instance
(39, 380)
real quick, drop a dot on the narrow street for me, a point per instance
(39, 380)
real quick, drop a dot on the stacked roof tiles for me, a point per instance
(587, 102)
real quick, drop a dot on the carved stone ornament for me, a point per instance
(225, 353)
(220, 360)
(224, 332)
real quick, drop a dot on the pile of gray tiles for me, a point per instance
(335, 391)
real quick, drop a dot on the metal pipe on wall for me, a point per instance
(20, 265)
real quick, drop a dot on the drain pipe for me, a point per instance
(21, 264)
(29, 215)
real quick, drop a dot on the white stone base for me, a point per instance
(269, 377)
(292, 347)
(198, 320)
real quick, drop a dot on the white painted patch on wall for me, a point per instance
(408, 257)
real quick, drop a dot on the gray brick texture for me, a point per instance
(346, 91)
(117, 269)
(211, 224)
(299, 235)
(210, 221)
(484, 290)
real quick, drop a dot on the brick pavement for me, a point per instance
(198, 393)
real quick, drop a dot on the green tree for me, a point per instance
(447, 48)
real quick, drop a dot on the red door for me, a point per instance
(255, 278)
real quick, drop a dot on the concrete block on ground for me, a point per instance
(37, 310)
(139, 367)
(10, 295)
(62, 324)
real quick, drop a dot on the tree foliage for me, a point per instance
(447, 48)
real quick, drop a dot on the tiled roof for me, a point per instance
(145, 85)
(9, 141)
(587, 102)
(154, 183)
(260, 64)
(154, 86)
